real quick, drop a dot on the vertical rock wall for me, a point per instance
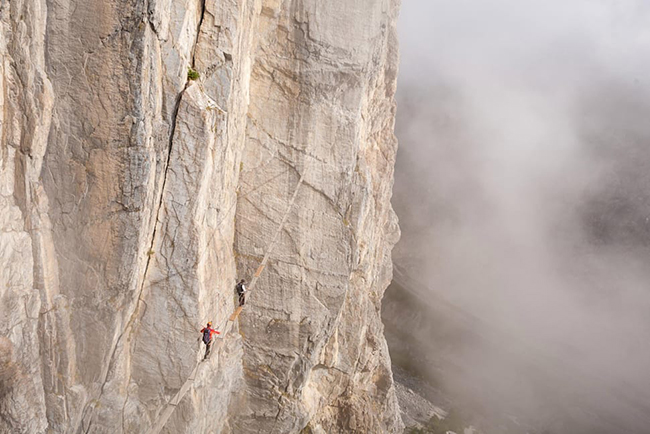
(28, 276)
(321, 105)
(131, 197)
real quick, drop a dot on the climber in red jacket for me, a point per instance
(208, 331)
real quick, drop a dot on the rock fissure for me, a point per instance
(134, 314)
(158, 193)
(198, 31)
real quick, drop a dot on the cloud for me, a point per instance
(523, 189)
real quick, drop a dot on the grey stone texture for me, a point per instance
(132, 198)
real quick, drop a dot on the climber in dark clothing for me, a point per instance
(241, 291)
(208, 331)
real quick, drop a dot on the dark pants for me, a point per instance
(208, 347)
(242, 299)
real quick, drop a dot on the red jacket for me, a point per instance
(211, 330)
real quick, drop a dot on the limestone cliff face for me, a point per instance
(131, 198)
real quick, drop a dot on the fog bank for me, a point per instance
(523, 191)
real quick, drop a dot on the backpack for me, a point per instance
(207, 335)
(240, 288)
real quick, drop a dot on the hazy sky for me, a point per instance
(523, 184)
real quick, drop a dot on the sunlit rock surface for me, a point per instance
(131, 198)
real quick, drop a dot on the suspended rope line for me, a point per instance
(166, 413)
(173, 403)
(274, 240)
(269, 249)
(214, 232)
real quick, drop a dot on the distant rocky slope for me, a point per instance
(134, 191)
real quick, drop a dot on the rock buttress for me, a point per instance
(322, 89)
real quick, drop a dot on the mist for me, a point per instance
(523, 192)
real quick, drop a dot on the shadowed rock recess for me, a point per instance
(134, 194)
